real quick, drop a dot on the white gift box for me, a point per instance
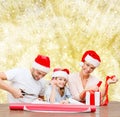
(93, 98)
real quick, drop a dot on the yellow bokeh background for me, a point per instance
(63, 30)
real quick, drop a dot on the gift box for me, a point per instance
(93, 98)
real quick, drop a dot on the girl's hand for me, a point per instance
(64, 102)
(53, 82)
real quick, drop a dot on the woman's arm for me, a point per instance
(109, 80)
(104, 92)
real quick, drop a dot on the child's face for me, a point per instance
(61, 82)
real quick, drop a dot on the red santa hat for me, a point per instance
(42, 63)
(91, 57)
(58, 72)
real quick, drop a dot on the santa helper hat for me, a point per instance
(58, 72)
(42, 63)
(91, 57)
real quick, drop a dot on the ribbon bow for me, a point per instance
(109, 79)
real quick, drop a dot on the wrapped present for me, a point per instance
(93, 98)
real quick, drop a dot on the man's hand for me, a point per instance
(17, 93)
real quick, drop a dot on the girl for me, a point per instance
(57, 91)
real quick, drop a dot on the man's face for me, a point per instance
(37, 74)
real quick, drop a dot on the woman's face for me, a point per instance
(37, 74)
(87, 68)
(61, 82)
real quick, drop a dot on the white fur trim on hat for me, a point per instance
(60, 74)
(81, 63)
(40, 67)
(92, 61)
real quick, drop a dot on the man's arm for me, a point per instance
(5, 86)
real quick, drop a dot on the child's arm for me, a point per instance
(53, 91)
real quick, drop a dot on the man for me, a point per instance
(26, 85)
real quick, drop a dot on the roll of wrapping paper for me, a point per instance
(69, 108)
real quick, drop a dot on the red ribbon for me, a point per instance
(92, 97)
(92, 94)
(106, 101)
(99, 84)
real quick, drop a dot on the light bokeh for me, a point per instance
(63, 30)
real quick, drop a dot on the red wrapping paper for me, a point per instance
(53, 107)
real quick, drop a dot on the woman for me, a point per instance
(83, 81)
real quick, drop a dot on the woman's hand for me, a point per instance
(82, 95)
(112, 80)
(94, 88)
